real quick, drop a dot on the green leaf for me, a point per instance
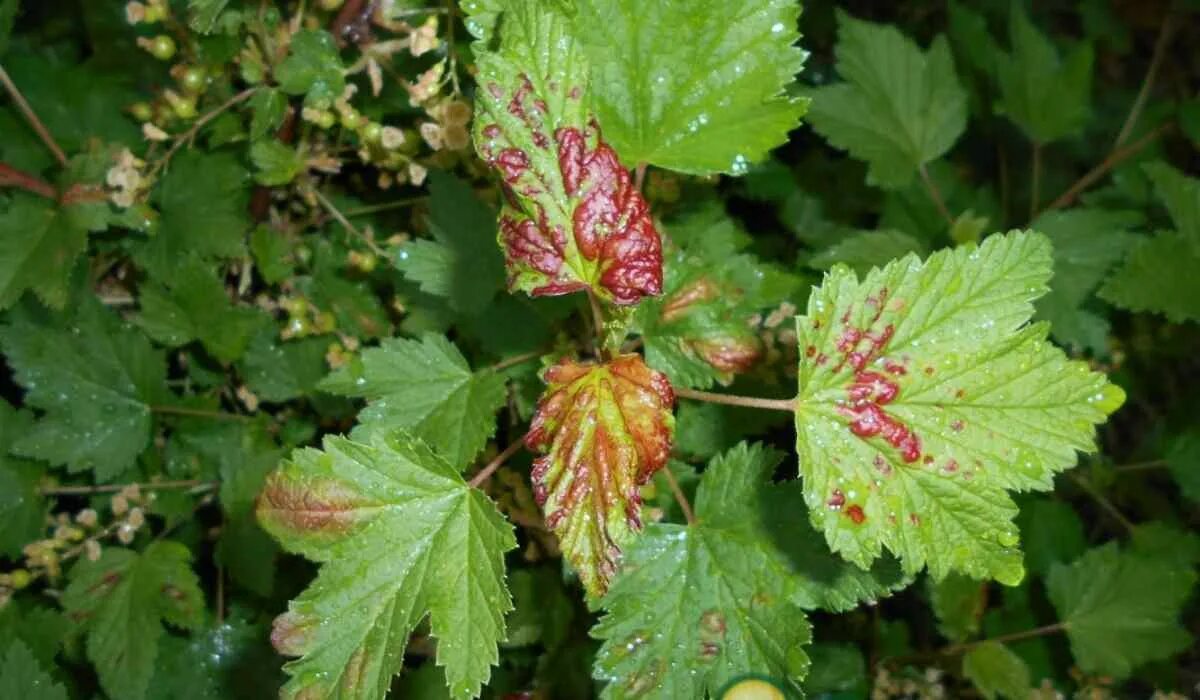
(22, 507)
(863, 250)
(22, 677)
(838, 671)
(572, 219)
(276, 163)
(462, 263)
(698, 332)
(399, 535)
(698, 606)
(268, 108)
(204, 199)
(1157, 277)
(312, 68)
(602, 430)
(8, 15)
(1113, 624)
(272, 254)
(194, 305)
(925, 396)
(230, 660)
(1047, 97)
(41, 629)
(1183, 460)
(1181, 195)
(94, 378)
(899, 108)
(354, 304)
(1052, 533)
(958, 602)
(278, 370)
(699, 87)
(997, 672)
(424, 386)
(120, 599)
(203, 14)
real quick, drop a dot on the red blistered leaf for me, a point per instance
(605, 429)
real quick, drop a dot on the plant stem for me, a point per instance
(486, 473)
(598, 320)
(788, 405)
(1160, 49)
(199, 413)
(680, 498)
(955, 649)
(114, 488)
(341, 218)
(639, 176)
(11, 177)
(190, 134)
(1114, 159)
(1103, 502)
(32, 118)
(387, 206)
(1035, 186)
(1141, 466)
(935, 195)
(516, 360)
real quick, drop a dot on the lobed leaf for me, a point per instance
(925, 396)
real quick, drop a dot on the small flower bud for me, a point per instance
(91, 550)
(87, 517)
(125, 533)
(120, 505)
(136, 518)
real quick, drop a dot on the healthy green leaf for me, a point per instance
(312, 68)
(838, 670)
(276, 163)
(925, 396)
(1051, 532)
(1113, 624)
(698, 332)
(22, 507)
(120, 599)
(21, 676)
(699, 87)
(1183, 459)
(230, 660)
(462, 263)
(268, 107)
(202, 14)
(572, 218)
(898, 109)
(272, 251)
(1047, 97)
(1157, 277)
(96, 380)
(424, 386)
(8, 14)
(997, 672)
(697, 606)
(1181, 195)
(41, 629)
(194, 305)
(204, 200)
(958, 602)
(603, 428)
(278, 370)
(399, 535)
(863, 250)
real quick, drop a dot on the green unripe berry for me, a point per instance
(351, 119)
(372, 132)
(193, 80)
(331, 5)
(20, 578)
(326, 323)
(271, 16)
(162, 47)
(141, 111)
(296, 306)
(365, 262)
(154, 13)
(184, 108)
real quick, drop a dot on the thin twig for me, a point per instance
(32, 118)
(639, 176)
(197, 484)
(788, 405)
(1160, 49)
(598, 320)
(341, 219)
(189, 135)
(199, 413)
(680, 498)
(485, 473)
(1103, 502)
(935, 194)
(11, 177)
(1113, 160)
(516, 360)
(387, 206)
(1035, 187)
(1141, 466)
(955, 649)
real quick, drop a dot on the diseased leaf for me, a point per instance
(997, 672)
(605, 429)
(1047, 97)
(119, 600)
(21, 676)
(399, 535)
(424, 386)
(461, 263)
(572, 219)
(699, 331)
(700, 86)
(899, 108)
(925, 396)
(94, 378)
(698, 606)
(1113, 624)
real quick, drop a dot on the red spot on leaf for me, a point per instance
(836, 499)
(957, 426)
(810, 351)
(856, 514)
(512, 164)
(292, 634)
